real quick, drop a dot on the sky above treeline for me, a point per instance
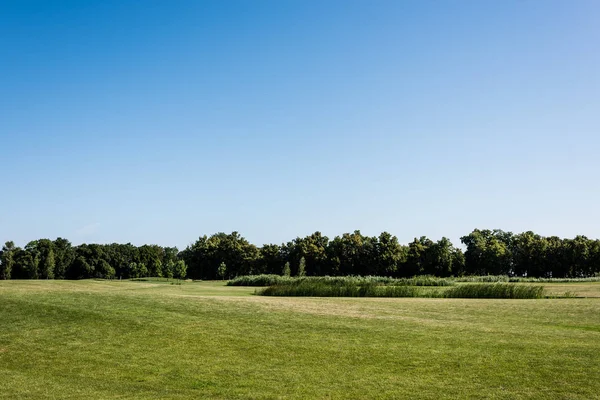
(160, 121)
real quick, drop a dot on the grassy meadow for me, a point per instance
(147, 340)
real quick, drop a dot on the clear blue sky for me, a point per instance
(160, 121)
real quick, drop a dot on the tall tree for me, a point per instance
(180, 270)
(222, 271)
(64, 256)
(168, 269)
(270, 259)
(287, 271)
(7, 260)
(48, 265)
(32, 259)
(389, 255)
(302, 267)
(488, 252)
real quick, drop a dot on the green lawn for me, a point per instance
(149, 340)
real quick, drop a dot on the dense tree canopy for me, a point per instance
(223, 256)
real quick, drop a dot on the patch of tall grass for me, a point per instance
(494, 291)
(322, 289)
(523, 279)
(482, 278)
(553, 280)
(258, 280)
(269, 280)
(351, 289)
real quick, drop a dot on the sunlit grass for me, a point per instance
(148, 340)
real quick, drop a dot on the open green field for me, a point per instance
(149, 340)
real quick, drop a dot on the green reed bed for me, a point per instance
(482, 278)
(495, 291)
(554, 280)
(321, 289)
(269, 280)
(523, 279)
(258, 280)
(479, 290)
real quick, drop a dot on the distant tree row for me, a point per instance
(224, 256)
(58, 259)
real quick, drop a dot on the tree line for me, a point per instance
(224, 256)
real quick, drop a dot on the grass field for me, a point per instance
(149, 340)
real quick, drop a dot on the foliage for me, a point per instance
(7, 260)
(222, 271)
(286, 270)
(302, 267)
(180, 270)
(494, 254)
(168, 269)
(47, 270)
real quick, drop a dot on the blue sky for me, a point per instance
(160, 121)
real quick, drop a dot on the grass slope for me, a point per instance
(147, 340)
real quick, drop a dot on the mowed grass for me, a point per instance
(148, 340)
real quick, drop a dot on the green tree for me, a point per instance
(32, 259)
(419, 259)
(132, 270)
(180, 270)
(150, 256)
(222, 271)
(204, 256)
(168, 269)
(143, 270)
(80, 269)
(442, 258)
(270, 259)
(314, 250)
(302, 267)
(286, 269)
(48, 265)
(388, 256)
(64, 255)
(170, 254)
(104, 270)
(489, 252)
(7, 260)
